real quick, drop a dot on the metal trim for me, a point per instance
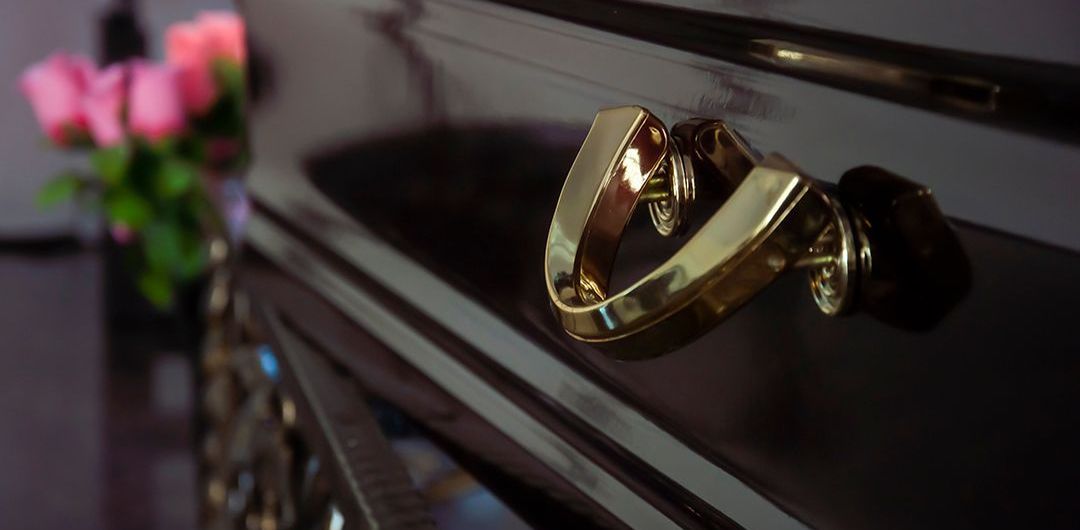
(373, 484)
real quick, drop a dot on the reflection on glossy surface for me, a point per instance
(456, 500)
(1035, 29)
(1033, 96)
(826, 131)
(961, 92)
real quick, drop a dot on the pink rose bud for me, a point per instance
(155, 108)
(220, 150)
(224, 34)
(102, 105)
(55, 88)
(186, 49)
(121, 233)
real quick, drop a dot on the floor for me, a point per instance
(98, 431)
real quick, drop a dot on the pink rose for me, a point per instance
(102, 105)
(193, 46)
(185, 48)
(55, 88)
(121, 233)
(224, 34)
(155, 107)
(185, 44)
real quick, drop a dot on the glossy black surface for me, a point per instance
(912, 269)
(1041, 97)
(1034, 30)
(783, 387)
(441, 134)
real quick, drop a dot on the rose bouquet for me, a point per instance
(155, 133)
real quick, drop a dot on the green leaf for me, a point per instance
(126, 206)
(157, 287)
(163, 146)
(230, 74)
(58, 190)
(193, 255)
(111, 163)
(163, 246)
(192, 148)
(174, 178)
(76, 138)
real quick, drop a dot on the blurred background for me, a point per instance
(95, 382)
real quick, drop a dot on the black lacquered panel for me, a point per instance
(429, 163)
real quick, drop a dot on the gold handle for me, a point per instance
(775, 219)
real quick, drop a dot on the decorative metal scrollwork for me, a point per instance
(257, 471)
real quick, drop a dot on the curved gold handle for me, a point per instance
(772, 220)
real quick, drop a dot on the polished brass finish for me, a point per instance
(711, 148)
(611, 185)
(770, 223)
(832, 263)
(669, 202)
